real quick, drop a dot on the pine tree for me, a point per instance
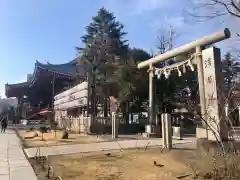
(106, 51)
(104, 46)
(133, 84)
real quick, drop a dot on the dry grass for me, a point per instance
(49, 139)
(218, 165)
(138, 164)
(128, 165)
(203, 163)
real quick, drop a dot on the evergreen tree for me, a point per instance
(104, 44)
(230, 70)
(106, 51)
(133, 84)
(229, 67)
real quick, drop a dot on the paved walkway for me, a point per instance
(101, 146)
(13, 163)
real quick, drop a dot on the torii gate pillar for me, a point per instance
(214, 55)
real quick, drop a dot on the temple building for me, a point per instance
(43, 84)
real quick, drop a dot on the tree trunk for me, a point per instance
(127, 113)
(105, 107)
(132, 118)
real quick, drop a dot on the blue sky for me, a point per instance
(48, 30)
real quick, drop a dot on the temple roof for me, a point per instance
(67, 69)
(61, 71)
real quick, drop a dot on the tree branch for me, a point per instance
(235, 5)
(227, 7)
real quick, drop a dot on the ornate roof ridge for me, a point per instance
(17, 84)
(41, 66)
(50, 64)
(65, 69)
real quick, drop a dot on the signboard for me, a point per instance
(212, 79)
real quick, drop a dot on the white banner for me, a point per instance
(72, 104)
(72, 98)
(73, 90)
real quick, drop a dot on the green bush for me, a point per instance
(43, 129)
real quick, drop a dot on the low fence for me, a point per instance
(234, 134)
(122, 129)
(102, 125)
(79, 125)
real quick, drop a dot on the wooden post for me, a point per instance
(53, 90)
(166, 131)
(238, 114)
(53, 93)
(114, 126)
(93, 96)
(163, 131)
(113, 109)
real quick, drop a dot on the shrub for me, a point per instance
(212, 163)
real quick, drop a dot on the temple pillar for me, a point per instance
(152, 105)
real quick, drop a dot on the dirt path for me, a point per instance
(101, 146)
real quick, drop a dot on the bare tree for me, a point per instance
(203, 10)
(165, 41)
(209, 9)
(210, 122)
(221, 154)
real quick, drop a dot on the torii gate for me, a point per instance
(206, 72)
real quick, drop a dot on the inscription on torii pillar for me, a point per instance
(212, 80)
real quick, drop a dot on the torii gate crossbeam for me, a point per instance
(196, 45)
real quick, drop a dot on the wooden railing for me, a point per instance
(78, 124)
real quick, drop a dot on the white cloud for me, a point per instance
(174, 21)
(141, 6)
(136, 7)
